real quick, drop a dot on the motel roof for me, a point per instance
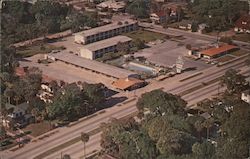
(106, 43)
(221, 49)
(92, 65)
(125, 83)
(105, 28)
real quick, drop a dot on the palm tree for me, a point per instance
(208, 124)
(84, 138)
(9, 93)
(17, 98)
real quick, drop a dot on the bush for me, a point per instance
(188, 46)
(42, 47)
(194, 27)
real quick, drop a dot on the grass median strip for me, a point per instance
(66, 144)
(192, 76)
(199, 86)
(75, 140)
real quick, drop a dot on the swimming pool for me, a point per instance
(140, 68)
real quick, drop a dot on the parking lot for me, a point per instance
(61, 71)
(166, 53)
(68, 43)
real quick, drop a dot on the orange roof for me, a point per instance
(20, 71)
(125, 83)
(219, 50)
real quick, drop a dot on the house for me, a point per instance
(217, 51)
(106, 31)
(158, 17)
(98, 49)
(245, 96)
(17, 115)
(114, 5)
(128, 83)
(185, 25)
(242, 25)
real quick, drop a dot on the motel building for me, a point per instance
(98, 49)
(106, 31)
(213, 52)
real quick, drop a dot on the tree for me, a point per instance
(66, 156)
(38, 108)
(175, 142)
(29, 86)
(180, 13)
(9, 93)
(208, 124)
(160, 103)
(122, 47)
(3, 132)
(84, 138)
(204, 150)
(188, 46)
(68, 104)
(139, 44)
(194, 27)
(199, 127)
(234, 82)
(139, 8)
(95, 93)
(218, 14)
(233, 148)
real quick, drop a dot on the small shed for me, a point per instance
(128, 83)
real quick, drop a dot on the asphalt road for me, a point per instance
(172, 31)
(66, 134)
(76, 150)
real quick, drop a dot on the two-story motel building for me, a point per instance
(106, 31)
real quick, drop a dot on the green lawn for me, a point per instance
(145, 35)
(38, 129)
(36, 49)
(239, 53)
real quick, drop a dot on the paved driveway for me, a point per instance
(167, 53)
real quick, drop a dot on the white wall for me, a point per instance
(79, 39)
(245, 97)
(86, 53)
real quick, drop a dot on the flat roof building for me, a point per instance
(217, 51)
(128, 83)
(97, 49)
(106, 31)
(91, 65)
